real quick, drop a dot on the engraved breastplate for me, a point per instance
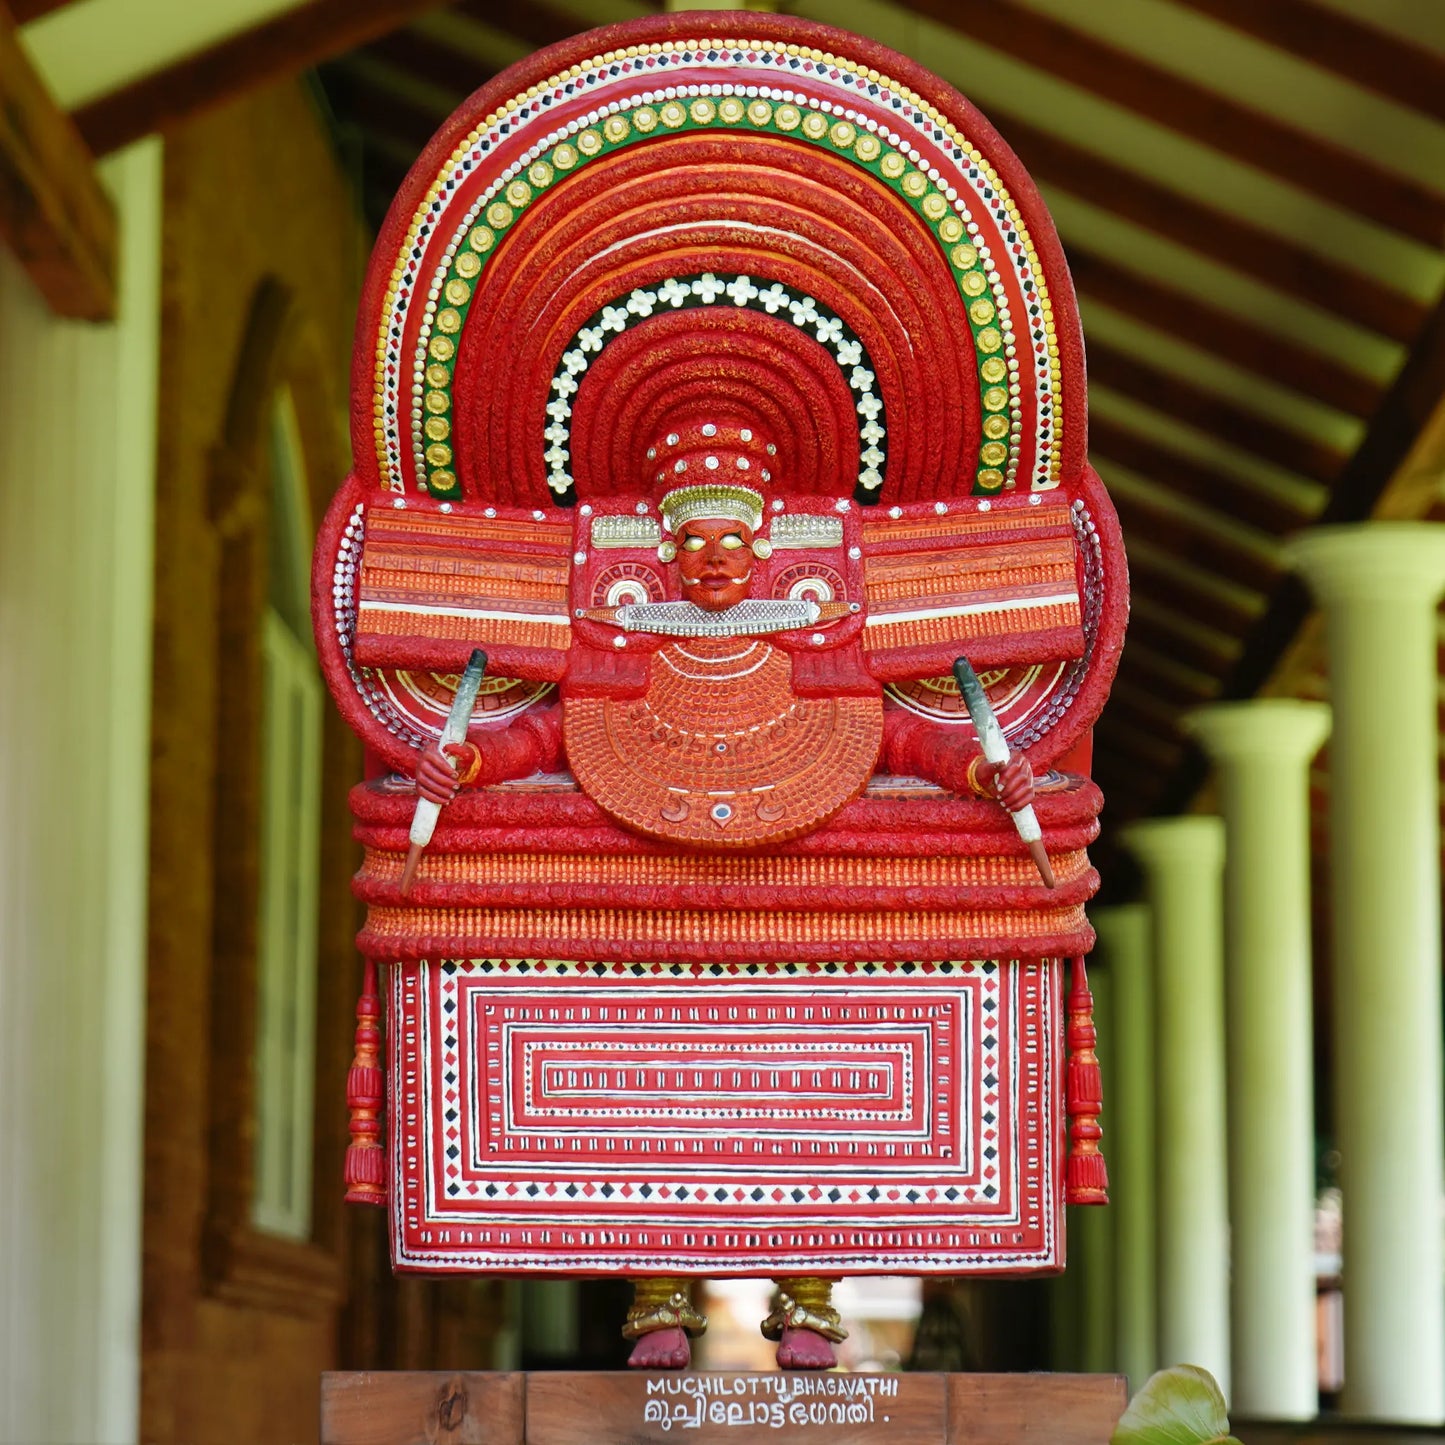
(721, 753)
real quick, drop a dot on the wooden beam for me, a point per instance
(1128, 788)
(1296, 270)
(285, 46)
(427, 60)
(1130, 701)
(1183, 637)
(1156, 672)
(1354, 49)
(54, 214)
(1234, 337)
(532, 21)
(1175, 588)
(1301, 159)
(1162, 527)
(25, 11)
(380, 111)
(1414, 398)
(1179, 472)
(1409, 404)
(1134, 744)
(1206, 412)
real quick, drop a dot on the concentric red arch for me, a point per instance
(859, 236)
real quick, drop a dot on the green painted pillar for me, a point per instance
(1378, 584)
(1128, 1047)
(1261, 751)
(1183, 860)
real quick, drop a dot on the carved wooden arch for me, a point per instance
(240, 1262)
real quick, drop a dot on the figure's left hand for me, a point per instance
(1012, 783)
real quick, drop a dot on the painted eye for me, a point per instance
(693, 544)
(733, 541)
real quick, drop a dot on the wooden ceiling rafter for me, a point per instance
(1240, 245)
(25, 11)
(1212, 414)
(283, 46)
(1130, 699)
(1174, 588)
(430, 61)
(1130, 745)
(1354, 50)
(531, 21)
(55, 215)
(1223, 333)
(1177, 471)
(1411, 402)
(1166, 675)
(1309, 162)
(386, 114)
(1178, 636)
(1156, 523)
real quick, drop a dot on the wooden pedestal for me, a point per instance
(707, 1408)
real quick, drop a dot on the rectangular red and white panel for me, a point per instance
(590, 1118)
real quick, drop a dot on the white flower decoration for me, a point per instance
(773, 298)
(589, 339)
(872, 457)
(573, 362)
(872, 432)
(849, 353)
(642, 303)
(673, 291)
(558, 409)
(742, 290)
(614, 318)
(804, 311)
(828, 330)
(869, 406)
(708, 287)
(861, 378)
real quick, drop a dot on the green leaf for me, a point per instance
(1182, 1405)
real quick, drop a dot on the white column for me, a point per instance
(1183, 861)
(1379, 584)
(78, 409)
(1261, 751)
(1123, 950)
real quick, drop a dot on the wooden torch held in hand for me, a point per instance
(424, 820)
(996, 750)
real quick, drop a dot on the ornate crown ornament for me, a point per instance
(712, 500)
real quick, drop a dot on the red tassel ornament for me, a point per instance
(365, 1169)
(1086, 1176)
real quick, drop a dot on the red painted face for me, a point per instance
(715, 558)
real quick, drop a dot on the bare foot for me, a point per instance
(800, 1349)
(661, 1350)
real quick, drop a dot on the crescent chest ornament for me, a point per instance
(721, 752)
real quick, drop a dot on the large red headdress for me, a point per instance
(748, 218)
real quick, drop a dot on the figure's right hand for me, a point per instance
(440, 771)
